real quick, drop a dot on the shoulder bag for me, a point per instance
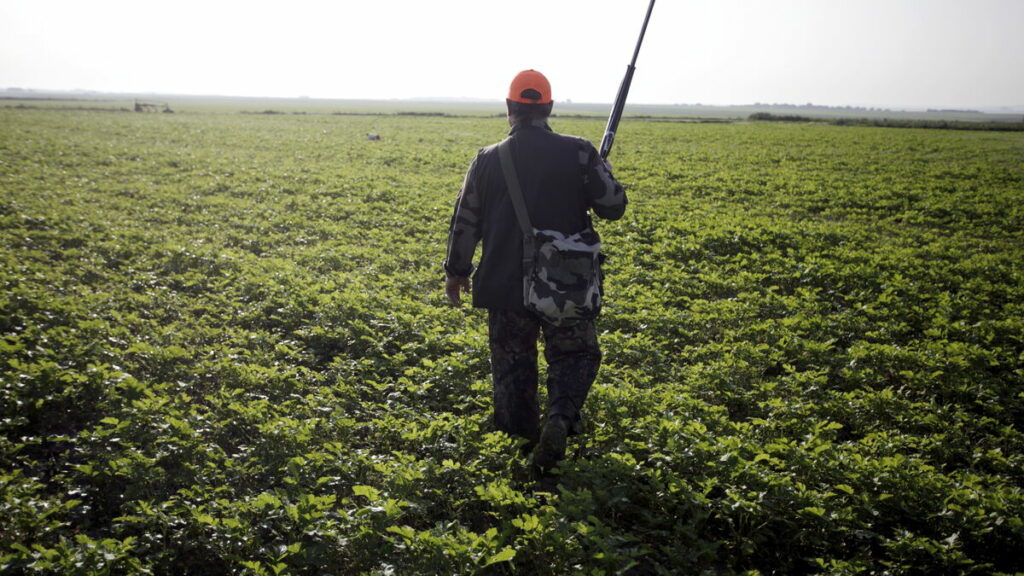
(562, 280)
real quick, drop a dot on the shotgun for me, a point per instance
(620, 98)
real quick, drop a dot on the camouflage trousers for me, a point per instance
(573, 358)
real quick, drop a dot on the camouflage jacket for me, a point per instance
(562, 177)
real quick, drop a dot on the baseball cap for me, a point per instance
(530, 87)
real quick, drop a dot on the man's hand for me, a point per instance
(452, 286)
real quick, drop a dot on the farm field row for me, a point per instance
(225, 350)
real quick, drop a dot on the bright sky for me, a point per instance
(928, 53)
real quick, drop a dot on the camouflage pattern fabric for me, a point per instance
(564, 285)
(573, 358)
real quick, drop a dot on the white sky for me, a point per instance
(933, 53)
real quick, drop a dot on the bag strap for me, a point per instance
(508, 166)
(514, 191)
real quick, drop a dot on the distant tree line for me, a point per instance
(769, 117)
(893, 123)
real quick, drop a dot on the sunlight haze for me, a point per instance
(936, 53)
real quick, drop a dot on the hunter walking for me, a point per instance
(561, 178)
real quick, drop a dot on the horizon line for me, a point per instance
(987, 108)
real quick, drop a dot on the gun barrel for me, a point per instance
(643, 30)
(620, 98)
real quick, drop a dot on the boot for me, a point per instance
(551, 447)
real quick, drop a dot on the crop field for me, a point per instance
(225, 350)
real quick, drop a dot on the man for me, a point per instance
(562, 177)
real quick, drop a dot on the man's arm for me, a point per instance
(604, 193)
(463, 236)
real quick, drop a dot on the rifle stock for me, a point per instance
(616, 115)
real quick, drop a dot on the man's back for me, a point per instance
(562, 177)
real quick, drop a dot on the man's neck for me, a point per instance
(525, 123)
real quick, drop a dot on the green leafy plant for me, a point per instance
(224, 349)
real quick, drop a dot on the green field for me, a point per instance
(225, 350)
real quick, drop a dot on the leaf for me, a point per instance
(203, 518)
(526, 522)
(267, 500)
(369, 492)
(505, 555)
(406, 532)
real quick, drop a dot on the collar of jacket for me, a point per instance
(531, 124)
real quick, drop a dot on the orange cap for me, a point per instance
(530, 87)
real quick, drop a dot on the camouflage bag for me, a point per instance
(561, 274)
